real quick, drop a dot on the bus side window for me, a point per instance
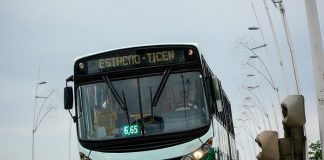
(217, 92)
(210, 94)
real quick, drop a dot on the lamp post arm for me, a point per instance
(253, 118)
(263, 111)
(43, 104)
(256, 125)
(262, 106)
(43, 118)
(260, 60)
(263, 121)
(246, 130)
(257, 106)
(264, 76)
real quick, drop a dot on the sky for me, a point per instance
(51, 34)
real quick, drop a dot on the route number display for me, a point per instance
(131, 130)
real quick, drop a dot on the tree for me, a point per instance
(315, 152)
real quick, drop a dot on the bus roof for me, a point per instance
(134, 46)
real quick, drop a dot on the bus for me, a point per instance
(150, 102)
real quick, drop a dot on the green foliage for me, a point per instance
(315, 152)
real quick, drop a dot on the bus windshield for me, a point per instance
(180, 107)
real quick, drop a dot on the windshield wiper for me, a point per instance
(114, 92)
(157, 95)
(122, 102)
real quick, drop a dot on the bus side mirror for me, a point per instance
(217, 95)
(68, 98)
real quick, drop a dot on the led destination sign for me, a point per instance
(148, 58)
(114, 61)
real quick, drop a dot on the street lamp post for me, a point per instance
(254, 124)
(262, 109)
(254, 121)
(38, 116)
(248, 114)
(277, 94)
(247, 107)
(256, 56)
(248, 142)
(262, 106)
(317, 59)
(254, 118)
(34, 123)
(268, 78)
(249, 133)
(241, 146)
(282, 68)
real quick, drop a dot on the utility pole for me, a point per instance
(291, 49)
(281, 63)
(318, 57)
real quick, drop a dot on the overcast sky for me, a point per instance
(55, 32)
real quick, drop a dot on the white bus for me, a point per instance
(150, 102)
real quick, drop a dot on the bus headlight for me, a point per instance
(205, 147)
(186, 158)
(200, 152)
